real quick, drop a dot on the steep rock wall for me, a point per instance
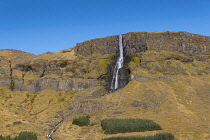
(135, 42)
(59, 74)
(107, 45)
(73, 84)
(94, 61)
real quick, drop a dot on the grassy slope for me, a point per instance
(180, 105)
(20, 57)
(17, 56)
(177, 107)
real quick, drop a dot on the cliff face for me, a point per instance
(167, 76)
(136, 42)
(107, 45)
(60, 71)
(91, 63)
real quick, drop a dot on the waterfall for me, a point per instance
(55, 127)
(118, 65)
(49, 136)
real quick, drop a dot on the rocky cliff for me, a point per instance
(136, 42)
(168, 77)
(91, 63)
(59, 71)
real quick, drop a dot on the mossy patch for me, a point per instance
(169, 63)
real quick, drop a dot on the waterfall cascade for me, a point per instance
(118, 65)
(55, 127)
(49, 136)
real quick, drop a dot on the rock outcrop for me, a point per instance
(107, 45)
(60, 74)
(136, 42)
(73, 84)
(167, 76)
(91, 63)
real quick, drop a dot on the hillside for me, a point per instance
(167, 76)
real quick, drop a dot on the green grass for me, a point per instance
(81, 121)
(22, 136)
(159, 136)
(113, 126)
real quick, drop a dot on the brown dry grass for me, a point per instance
(180, 107)
(178, 102)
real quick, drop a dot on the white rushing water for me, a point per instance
(118, 65)
(55, 127)
(49, 136)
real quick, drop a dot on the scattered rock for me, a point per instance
(136, 103)
(118, 112)
(3, 70)
(17, 123)
(49, 52)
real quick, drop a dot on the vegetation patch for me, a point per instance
(113, 126)
(22, 136)
(82, 121)
(159, 136)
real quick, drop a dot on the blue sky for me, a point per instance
(38, 26)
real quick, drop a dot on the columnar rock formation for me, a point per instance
(136, 42)
(91, 63)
